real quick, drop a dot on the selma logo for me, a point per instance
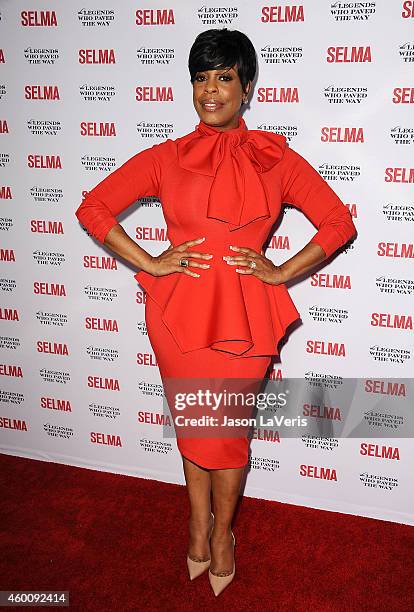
(265, 435)
(342, 134)
(11, 370)
(408, 9)
(92, 128)
(52, 348)
(99, 382)
(43, 19)
(145, 17)
(41, 92)
(98, 324)
(100, 262)
(9, 314)
(140, 297)
(322, 412)
(314, 471)
(7, 255)
(40, 226)
(55, 289)
(147, 359)
(395, 249)
(5, 192)
(283, 95)
(4, 127)
(352, 209)
(283, 14)
(44, 162)
(331, 281)
(399, 175)
(153, 418)
(381, 452)
(96, 56)
(276, 374)
(403, 95)
(320, 347)
(392, 321)
(280, 243)
(383, 387)
(18, 424)
(159, 234)
(154, 94)
(106, 439)
(348, 54)
(52, 403)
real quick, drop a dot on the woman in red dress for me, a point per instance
(216, 306)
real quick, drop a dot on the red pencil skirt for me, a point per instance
(209, 452)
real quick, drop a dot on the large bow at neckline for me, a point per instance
(236, 158)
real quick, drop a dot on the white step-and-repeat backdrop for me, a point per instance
(83, 87)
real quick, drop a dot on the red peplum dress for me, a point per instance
(229, 187)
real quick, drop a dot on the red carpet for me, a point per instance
(119, 543)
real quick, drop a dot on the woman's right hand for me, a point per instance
(169, 261)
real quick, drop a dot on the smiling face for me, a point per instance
(217, 97)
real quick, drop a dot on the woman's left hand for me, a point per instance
(265, 269)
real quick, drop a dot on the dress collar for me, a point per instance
(207, 130)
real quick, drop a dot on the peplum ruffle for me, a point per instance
(227, 311)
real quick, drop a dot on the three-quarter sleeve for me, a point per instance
(138, 177)
(305, 188)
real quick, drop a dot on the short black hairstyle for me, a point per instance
(223, 48)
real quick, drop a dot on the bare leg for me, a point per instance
(199, 489)
(226, 488)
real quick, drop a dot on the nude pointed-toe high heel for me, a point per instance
(198, 567)
(219, 582)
